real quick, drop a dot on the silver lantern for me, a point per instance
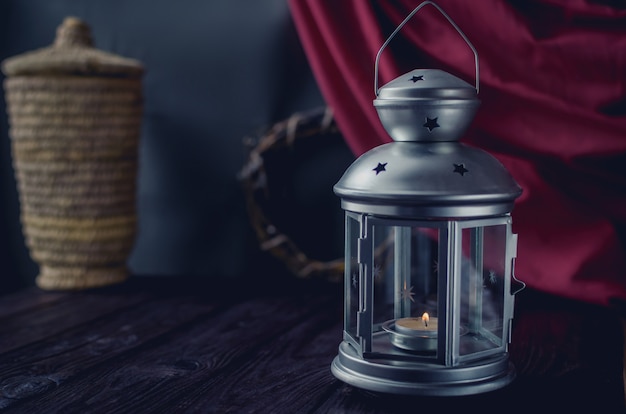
(429, 251)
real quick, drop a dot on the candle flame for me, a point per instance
(425, 318)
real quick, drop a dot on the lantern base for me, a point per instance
(410, 378)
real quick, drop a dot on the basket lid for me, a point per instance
(72, 53)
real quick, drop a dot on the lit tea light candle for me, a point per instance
(413, 333)
(424, 326)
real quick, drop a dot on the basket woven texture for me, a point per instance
(75, 116)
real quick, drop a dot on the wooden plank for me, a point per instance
(69, 358)
(291, 374)
(27, 299)
(162, 373)
(152, 348)
(52, 317)
(564, 395)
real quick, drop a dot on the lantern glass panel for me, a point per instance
(352, 276)
(483, 277)
(405, 286)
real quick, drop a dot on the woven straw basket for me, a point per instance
(75, 115)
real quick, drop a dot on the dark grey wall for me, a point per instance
(217, 71)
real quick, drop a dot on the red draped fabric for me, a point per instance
(553, 92)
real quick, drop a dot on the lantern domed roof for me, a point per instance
(427, 179)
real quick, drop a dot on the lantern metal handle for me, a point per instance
(376, 90)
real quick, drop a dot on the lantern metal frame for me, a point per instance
(444, 372)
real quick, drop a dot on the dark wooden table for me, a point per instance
(178, 346)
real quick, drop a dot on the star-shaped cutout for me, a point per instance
(431, 123)
(417, 78)
(380, 168)
(407, 293)
(460, 168)
(378, 272)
